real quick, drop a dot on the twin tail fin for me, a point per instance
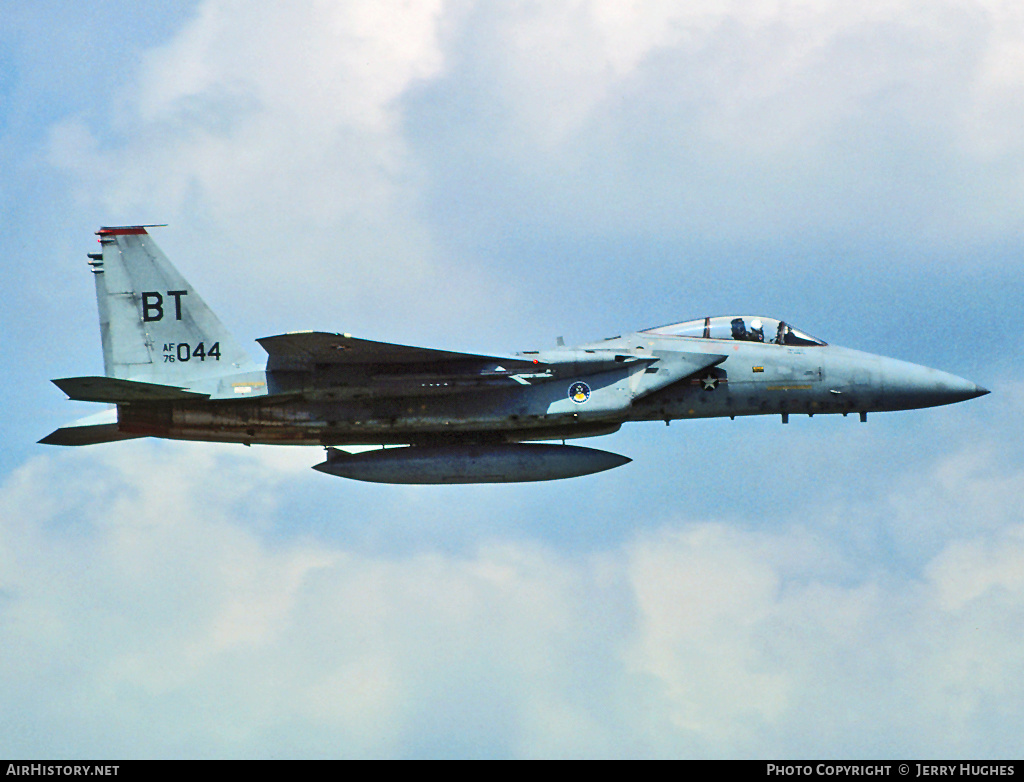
(154, 326)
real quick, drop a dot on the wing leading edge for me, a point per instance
(116, 391)
(303, 350)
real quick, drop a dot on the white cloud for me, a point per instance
(748, 119)
(271, 135)
(371, 165)
(756, 660)
(968, 570)
(145, 590)
(173, 600)
(262, 97)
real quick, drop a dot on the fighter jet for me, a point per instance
(173, 371)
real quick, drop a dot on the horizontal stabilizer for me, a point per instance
(98, 428)
(115, 390)
(86, 435)
(302, 350)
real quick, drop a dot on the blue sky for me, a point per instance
(489, 177)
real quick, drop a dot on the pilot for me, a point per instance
(756, 333)
(780, 335)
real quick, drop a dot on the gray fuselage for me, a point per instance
(331, 407)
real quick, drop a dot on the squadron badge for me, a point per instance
(579, 392)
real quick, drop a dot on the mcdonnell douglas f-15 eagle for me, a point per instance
(173, 371)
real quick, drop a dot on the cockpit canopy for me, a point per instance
(745, 328)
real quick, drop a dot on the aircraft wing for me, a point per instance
(348, 366)
(361, 367)
(115, 390)
(303, 350)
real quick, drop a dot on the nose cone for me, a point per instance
(911, 385)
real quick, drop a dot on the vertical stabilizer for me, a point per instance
(153, 324)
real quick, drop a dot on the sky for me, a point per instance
(488, 177)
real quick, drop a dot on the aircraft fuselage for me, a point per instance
(174, 371)
(753, 379)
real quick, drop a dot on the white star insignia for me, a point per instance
(710, 382)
